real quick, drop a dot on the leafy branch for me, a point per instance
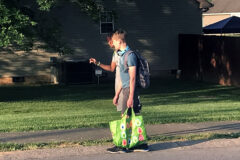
(17, 28)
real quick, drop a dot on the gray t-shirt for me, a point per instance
(116, 59)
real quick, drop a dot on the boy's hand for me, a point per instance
(115, 100)
(130, 103)
(92, 60)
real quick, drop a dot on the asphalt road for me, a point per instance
(220, 149)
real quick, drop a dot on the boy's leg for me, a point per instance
(136, 102)
(122, 106)
(137, 108)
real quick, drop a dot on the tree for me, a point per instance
(17, 25)
(12, 24)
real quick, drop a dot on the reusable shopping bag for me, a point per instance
(128, 132)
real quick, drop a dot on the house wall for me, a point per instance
(34, 66)
(208, 19)
(153, 28)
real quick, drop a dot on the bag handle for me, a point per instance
(125, 113)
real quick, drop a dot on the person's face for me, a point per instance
(116, 44)
(110, 43)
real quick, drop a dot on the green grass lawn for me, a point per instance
(166, 101)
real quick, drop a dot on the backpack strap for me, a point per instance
(126, 59)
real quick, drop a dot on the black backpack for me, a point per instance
(143, 74)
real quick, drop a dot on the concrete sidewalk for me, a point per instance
(83, 134)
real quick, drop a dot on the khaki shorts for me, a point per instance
(125, 95)
(120, 101)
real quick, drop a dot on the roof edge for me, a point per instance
(204, 5)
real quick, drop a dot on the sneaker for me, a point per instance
(116, 149)
(141, 148)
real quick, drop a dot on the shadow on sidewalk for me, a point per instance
(170, 145)
(235, 127)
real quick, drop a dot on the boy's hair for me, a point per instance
(109, 39)
(109, 36)
(119, 34)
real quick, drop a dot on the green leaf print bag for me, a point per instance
(128, 132)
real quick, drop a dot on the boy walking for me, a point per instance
(114, 66)
(128, 83)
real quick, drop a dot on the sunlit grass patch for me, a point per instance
(66, 107)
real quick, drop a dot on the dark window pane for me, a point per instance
(106, 27)
(18, 79)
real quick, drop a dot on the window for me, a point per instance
(18, 79)
(106, 22)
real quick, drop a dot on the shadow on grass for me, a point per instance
(161, 92)
(186, 92)
(56, 92)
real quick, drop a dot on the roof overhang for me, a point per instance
(204, 5)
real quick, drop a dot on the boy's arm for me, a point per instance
(110, 68)
(132, 73)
